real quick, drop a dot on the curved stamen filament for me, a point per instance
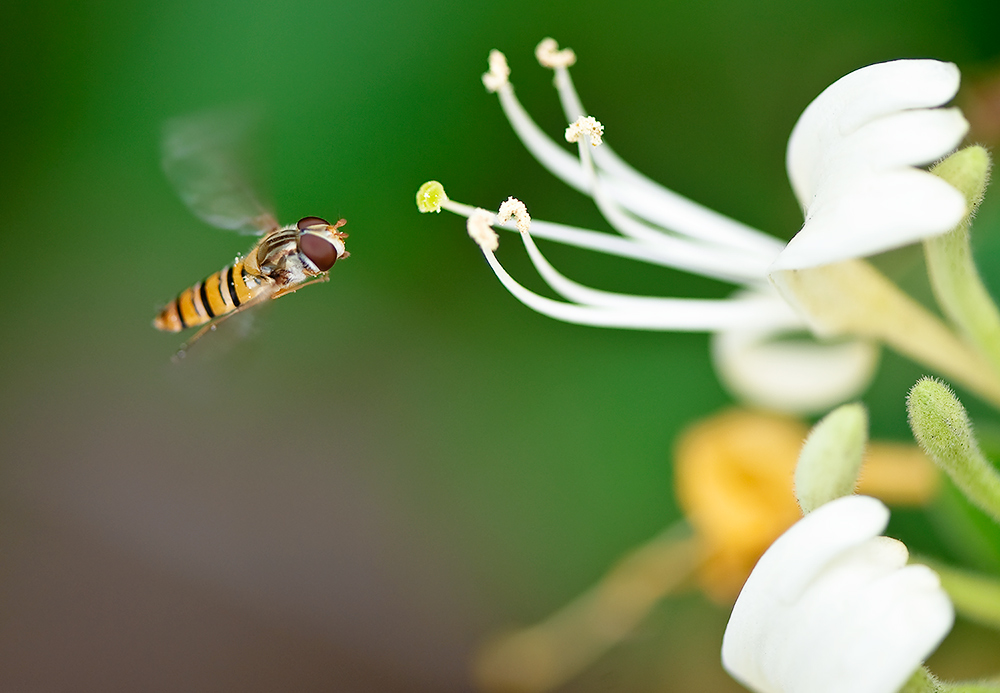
(602, 308)
(609, 244)
(557, 160)
(579, 293)
(648, 201)
(710, 224)
(630, 188)
(712, 261)
(652, 201)
(674, 315)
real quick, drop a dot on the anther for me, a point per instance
(548, 54)
(481, 230)
(499, 71)
(585, 125)
(513, 207)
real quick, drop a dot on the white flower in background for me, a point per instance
(832, 606)
(850, 159)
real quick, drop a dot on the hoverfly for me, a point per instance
(201, 157)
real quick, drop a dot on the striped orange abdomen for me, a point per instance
(220, 293)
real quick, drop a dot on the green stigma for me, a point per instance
(430, 196)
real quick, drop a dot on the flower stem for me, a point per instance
(942, 429)
(852, 298)
(988, 686)
(956, 282)
(546, 655)
(923, 681)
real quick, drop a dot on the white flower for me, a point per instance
(850, 159)
(832, 606)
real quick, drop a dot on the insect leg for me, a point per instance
(296, 287)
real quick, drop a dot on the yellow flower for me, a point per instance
(733, 478)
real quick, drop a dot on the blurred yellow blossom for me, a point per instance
(733, 478)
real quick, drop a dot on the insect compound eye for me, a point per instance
(320, 251)
(306, 222)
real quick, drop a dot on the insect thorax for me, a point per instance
(278, 258)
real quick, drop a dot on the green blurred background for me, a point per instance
(397, 462)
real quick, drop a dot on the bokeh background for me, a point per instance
(393, 464)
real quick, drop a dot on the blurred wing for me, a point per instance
(231, 328)
(210, 160)
(221, 338)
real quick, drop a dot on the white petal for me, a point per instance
(907, 138)
(876, 658)
(871, 214)
(851, 159)
(871, 621)
(755, 644)
(831, 607)
(800, 376)
(806, 549)
(861, 97)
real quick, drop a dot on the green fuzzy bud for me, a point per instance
(958, 288)
(942, 428)
(831, 458)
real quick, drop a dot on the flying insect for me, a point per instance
(201, 157)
